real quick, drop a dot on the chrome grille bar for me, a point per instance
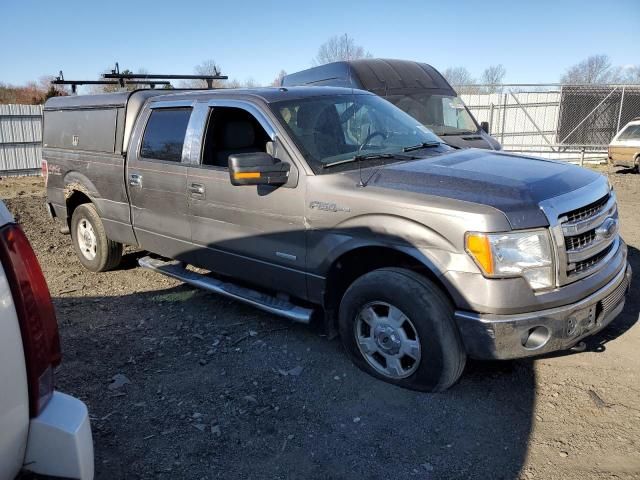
(582, 245)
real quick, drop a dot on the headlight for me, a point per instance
(514, 254)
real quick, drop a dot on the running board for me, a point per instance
(268, 303)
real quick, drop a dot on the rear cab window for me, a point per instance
(164, 134)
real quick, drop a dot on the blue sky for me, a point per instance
(535, 41)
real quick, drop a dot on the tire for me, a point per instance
(378, 296)
(94, 249)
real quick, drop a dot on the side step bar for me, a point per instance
(259, 300)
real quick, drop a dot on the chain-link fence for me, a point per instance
(569, 122)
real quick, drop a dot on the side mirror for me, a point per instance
(257, 169)
(484, 126)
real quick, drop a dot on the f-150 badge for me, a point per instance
(328, 207)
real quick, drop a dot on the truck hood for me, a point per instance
(513, 184)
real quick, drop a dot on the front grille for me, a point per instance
(591, 261)
(588, 237)
(579, 241)
(588, 210)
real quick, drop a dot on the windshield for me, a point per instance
(329, 129)
(442, 114)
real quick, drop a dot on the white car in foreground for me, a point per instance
(41, 430)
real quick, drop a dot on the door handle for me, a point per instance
(135, 180)
(196, 188)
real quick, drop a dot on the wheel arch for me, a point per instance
(78, 190)
(361, 259)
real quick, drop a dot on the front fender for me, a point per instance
(426, 245)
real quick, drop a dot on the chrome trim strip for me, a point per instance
(572, 277)
(596, 246)
(571, 229)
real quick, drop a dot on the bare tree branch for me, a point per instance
(278, 80)
(339, 48)
(493, 76)
(594, 69)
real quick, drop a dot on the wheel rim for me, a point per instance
(87, 240)
(387, 340)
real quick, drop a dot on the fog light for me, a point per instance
(535, 337)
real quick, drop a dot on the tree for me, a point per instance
(250, 83)
(116, 87)
(492, 77)
(461, 79)
(33, 93)
(278, 80)
(458, 76)
(337, 48)
(208, 67)
(629, 74)
(594, 69)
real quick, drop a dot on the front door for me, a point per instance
(255, 233)
(156, 179)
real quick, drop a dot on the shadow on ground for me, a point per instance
(212, 396)
(208, 399)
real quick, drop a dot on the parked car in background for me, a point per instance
(41, 430)
(624, 149)
(417, 88)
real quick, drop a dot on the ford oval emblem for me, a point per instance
(608, 228)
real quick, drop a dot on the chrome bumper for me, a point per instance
(487, 336)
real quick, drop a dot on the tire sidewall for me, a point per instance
(87, 212)
(430, 313)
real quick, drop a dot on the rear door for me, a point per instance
(156, 177)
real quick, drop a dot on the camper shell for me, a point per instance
(412, 87)
(97, 123)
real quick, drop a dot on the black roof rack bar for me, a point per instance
(121, 76)
(74, 83)
(146, 76)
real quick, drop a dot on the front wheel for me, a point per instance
(95, 250)
(399, 327)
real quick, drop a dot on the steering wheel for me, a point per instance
(370, 137)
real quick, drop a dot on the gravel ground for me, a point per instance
(208, 388)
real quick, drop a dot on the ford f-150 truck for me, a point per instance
(332, 201)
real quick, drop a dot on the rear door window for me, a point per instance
(164, 135)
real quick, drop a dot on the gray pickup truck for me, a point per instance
(332, 203)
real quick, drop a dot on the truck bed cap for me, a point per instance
(119, 99)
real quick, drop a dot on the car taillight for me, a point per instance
(45, 172)
(38, 325)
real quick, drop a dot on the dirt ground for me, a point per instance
(208, 388)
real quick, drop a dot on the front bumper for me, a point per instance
(488, 336)
(60, 442)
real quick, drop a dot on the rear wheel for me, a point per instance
(398, 326)
(95, 250)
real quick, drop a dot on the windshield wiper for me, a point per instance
(462, 132)
(358, 158)
(421, 146)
